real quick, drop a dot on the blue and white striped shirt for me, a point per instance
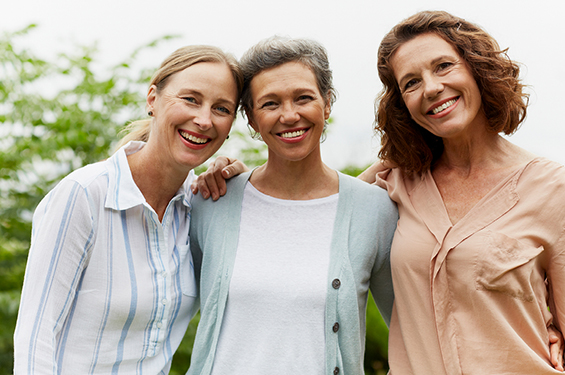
(109, 289)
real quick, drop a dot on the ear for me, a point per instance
(151, 97)
(251, 120)
(328, 107)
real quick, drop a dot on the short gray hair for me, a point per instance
(277, 50)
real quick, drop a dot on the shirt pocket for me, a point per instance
(506, 265)
(187, 278)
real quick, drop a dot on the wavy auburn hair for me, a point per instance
(403, 141)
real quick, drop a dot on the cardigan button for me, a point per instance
(336, 283)
(336, 327)
(336, 370)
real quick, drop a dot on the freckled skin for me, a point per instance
(430, 72)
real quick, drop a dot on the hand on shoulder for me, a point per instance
(212, 183)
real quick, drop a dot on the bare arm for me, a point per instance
(212, 183)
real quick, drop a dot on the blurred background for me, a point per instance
(73, 73)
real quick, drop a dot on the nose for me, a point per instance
(432, 86)
(203, 118)
(289, 115)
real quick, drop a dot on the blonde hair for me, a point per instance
(179, 60)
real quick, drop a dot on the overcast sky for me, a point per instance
(351, 31)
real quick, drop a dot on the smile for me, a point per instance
(295, 134)
(444, 106)
(192, 138)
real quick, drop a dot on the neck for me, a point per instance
(157, 182)
(304, 179)
(484, 151)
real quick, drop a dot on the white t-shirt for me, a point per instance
(274, 319)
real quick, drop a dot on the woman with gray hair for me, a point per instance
(289, 254)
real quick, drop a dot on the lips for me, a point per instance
(442, 107)
(293, 134)
(193, 139)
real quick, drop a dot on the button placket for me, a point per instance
(160, 252)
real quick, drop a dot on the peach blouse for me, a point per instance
(477, 297)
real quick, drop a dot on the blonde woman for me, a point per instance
(109, 284)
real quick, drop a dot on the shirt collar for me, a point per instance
(123, 193)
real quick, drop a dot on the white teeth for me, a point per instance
(444, 106)
(293, 134)
(192, 138)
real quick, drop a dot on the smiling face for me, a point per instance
(438, 87)
(193, 114)
(288, 111)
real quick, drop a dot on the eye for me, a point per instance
(444, 65)
(269, 104)
(190, 99)
(224, 110)
(306, 98)
(410, 84)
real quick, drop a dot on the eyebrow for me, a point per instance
(432, 62)
(296, 91)
(187, 91)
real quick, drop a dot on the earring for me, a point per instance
(150, 113)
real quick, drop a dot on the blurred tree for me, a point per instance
(54, 117)
(57, 116)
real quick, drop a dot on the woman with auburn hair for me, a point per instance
(480, 243)
(109, 284)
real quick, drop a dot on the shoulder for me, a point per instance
(369, 201)
(233, 196)
(88, 174)
(542, 173)
(542, 185)
(349, 183)
(361, 191)
(84, 179)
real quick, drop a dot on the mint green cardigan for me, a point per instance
(359, 259)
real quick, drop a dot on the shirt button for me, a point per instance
(336, 283)
(336, 327)
(164, 301)
(159, 325)
(336, 370)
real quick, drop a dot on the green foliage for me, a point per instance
(376, 343)
(353, 170)
(181, 359)
(57, 116)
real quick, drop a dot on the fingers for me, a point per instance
(556, 348)
(212, 183)
(235, 168)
